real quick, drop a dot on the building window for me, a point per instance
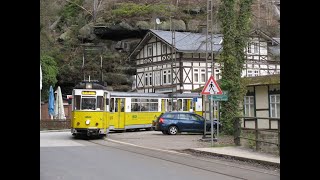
(166, 77)
(164, 49)
(217, 74)
(275, 106)
(196, 75)
(203, 75)
(146, 80)
(150, 76)
(150, 50)
(200, 76)
(249, 48)
(251, 73)
(249, 106)
(157, 77)
(256, 47)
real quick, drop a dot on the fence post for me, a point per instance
(237, 131)
(256, 133)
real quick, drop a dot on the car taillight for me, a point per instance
(161, 120)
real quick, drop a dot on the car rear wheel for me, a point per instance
(173, 130)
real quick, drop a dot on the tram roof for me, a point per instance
(160, 95)
(136, 94)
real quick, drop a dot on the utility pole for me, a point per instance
(173, 64)
(209, 31)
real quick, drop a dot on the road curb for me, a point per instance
(237, 158)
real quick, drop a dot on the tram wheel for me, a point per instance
(149, 129)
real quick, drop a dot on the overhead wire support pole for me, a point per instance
(209, 30)
(173, 64)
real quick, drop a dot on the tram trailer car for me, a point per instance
(90, 105)
(95, 110)
(133, 110)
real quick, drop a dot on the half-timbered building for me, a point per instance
(169, 61)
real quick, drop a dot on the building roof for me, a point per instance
(262, 80)
(184, 41)
(189, 42)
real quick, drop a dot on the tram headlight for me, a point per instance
(88, 85)
(87, 122)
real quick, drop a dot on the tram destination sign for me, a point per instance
(88, 93)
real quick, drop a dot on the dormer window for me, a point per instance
(149, 50)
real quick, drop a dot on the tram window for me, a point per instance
(100, 105)
(135, 104)
(88, 103)
(116, 105)
(180, 104)
(185, 104)
(112, 105)
(76, 100)
(122, 105)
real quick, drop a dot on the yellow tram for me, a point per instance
(96, 111)
(90, 106)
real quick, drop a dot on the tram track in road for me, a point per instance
(226, 169)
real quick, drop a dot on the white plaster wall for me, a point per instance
(261, 93)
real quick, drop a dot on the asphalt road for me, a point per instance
(63, 157)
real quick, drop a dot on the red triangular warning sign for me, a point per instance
(211, 87)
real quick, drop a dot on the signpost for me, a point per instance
(211, 88)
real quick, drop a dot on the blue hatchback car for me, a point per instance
(175, 122)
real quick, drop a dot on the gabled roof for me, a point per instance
(258, 32)
(184, 41)
(189, 42)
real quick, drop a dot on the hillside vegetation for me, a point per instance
(67, 25)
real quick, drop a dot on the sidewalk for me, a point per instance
(241, 153)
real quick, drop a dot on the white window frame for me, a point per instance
(253, 72)
(203, 75)
(150, 79)
(275, 105)
(169, 77)
(196, 75)
(248, 103)
(157, 78)
(146, 79)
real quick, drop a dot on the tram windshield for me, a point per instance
(88, 103)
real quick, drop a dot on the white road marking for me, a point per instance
(120, 142)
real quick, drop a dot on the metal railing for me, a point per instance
(256, 129)
(55, 124)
